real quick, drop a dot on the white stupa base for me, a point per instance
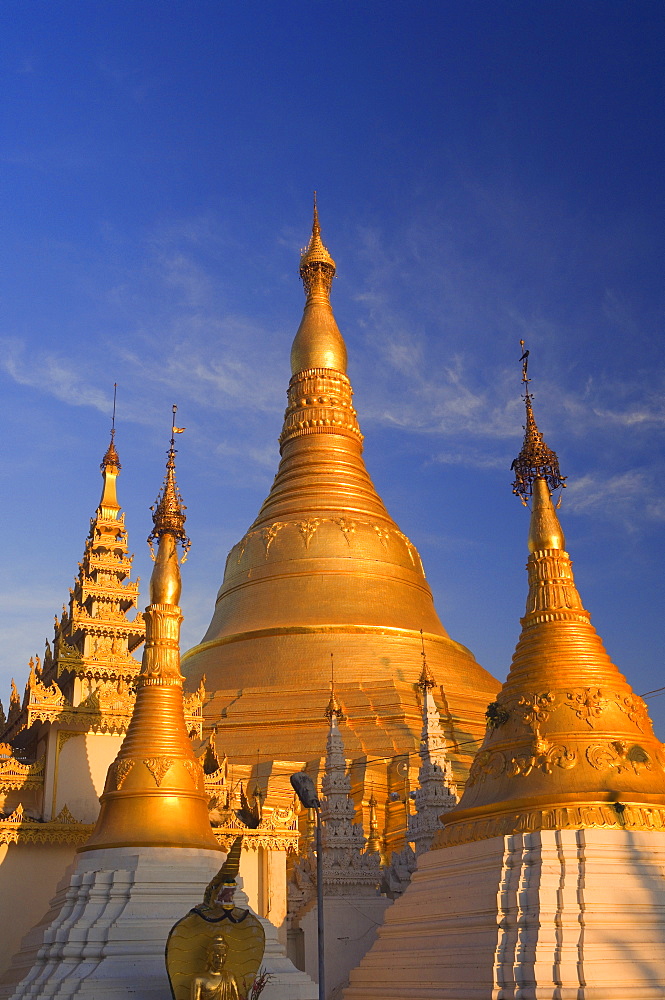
(286, 982)
(105, 934)
(553, 915)
(350, 923)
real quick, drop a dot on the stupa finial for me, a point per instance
(317, 268)
(169, 510)
(334, 709)
(426, 680)
(110, 468)
(535, 461)
(111, 456)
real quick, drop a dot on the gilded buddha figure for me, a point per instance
(215, 951)
(216, 983)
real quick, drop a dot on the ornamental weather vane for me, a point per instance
(168, 513)
(535, 460)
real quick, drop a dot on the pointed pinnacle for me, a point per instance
(426, 680)
(111, 455)
(169, 510)
(315, 258)
(334, 709)
(535, 460)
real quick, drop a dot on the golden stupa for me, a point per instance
(569, 745)
(154, 794)
(323, 569)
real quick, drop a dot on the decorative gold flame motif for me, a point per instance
(154, 793)
(568, 743)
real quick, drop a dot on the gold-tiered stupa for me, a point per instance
(324, 569)
(568, 744)
(155, 794)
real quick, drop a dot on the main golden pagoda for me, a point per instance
(324, 569)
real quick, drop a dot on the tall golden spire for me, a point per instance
(568, 744)
(318, 342)
(324, 566)
(154, 793)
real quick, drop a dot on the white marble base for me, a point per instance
(554, 915)
(350, 926)
(287, 982)
(105, 934)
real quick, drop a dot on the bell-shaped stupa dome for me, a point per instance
(323, 569)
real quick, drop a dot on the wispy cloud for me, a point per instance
(472, 457)
(629, 496)
(49, 373)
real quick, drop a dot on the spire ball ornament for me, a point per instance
(168, 512)
(535, 460)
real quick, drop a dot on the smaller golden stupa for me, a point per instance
(154, 794)
(568, 744)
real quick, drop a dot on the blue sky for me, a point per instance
(486, 172)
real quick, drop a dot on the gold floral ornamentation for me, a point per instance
(486, 765)
(65, 816)
(620, 755)
(588, 704)
(542, 755)
(63, 737)
(40, 694)
(158, 766)
(255, 840)
(570, 817)
(242, 545)
(33, 832)
(121, 769)
(17, 816)
(270, 533)
(195, 772)
(536, 709)
(347, 526)
(383, 534)
(636, 710)
(409, 545)
(308, 529)
(14, 775)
